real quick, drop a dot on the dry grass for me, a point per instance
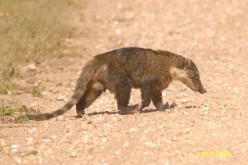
(31, 30)
(17, 112)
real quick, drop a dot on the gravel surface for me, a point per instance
(201, 129)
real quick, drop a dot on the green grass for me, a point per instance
(6, 110)
(17, 112)
(37, 90)
(32, 31)
(10, 111)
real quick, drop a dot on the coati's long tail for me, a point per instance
(85, 77)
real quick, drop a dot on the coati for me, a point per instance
(122, 69)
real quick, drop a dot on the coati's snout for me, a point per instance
(188, 74)
(194, 84)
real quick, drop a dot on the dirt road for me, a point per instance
(201, 129)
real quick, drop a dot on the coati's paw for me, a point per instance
(128, 109)
(164, 107)
(167, 106)
(80, 114)
(140, 108)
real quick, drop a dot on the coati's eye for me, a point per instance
(191, 73)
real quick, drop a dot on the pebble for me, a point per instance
(60, 118)
(151, 144)
(73, 154)
(146, 153)
(117, 152)
(86, 139)
(14, 148)
(47, 140)
(17, 160)
(205, 108)
(104, 139)
(126, 144)
(60, 98)
(185, 100)
(32, 130)
(133, 129)
(31, 67)
(118, 31)
(30, 140)
(2, 143)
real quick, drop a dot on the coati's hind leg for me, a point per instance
(91, 94)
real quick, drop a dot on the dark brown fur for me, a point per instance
(122, 69)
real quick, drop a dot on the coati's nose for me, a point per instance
(202, 91)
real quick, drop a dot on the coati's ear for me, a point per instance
(184, 63)
(187, 63)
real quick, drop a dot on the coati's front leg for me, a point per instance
(151, 90)
(151, 94)
(157, 100)
(91, 94)
(123, 92)
(145, 98)
(119, 83)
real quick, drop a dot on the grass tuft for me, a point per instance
(18, 113)
(21, 119)
(6, 110)
(32, 31)
(37, 90)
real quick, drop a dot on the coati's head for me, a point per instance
(187, 72)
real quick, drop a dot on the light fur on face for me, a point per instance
(178, 73)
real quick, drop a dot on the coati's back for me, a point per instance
(139, 61)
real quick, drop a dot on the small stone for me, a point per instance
(222, 39)
(54, 136)
(2, 143)
(166, 162)
(32, 130)
(185, 100)
(117, 152)
(60, 117)
(17, 160)
(44, 93)
(133, 129)
(86, 139)
(32, 67)
(104, 139)
(205, 108)
(14, 148)
(126, 144)
(73, 154)
(30, 140)
(174, 139)
(215, 134)
(47, 140)
(49, 151)
(146, 153)
(60, 98)
(151, 144)
(118, 31)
